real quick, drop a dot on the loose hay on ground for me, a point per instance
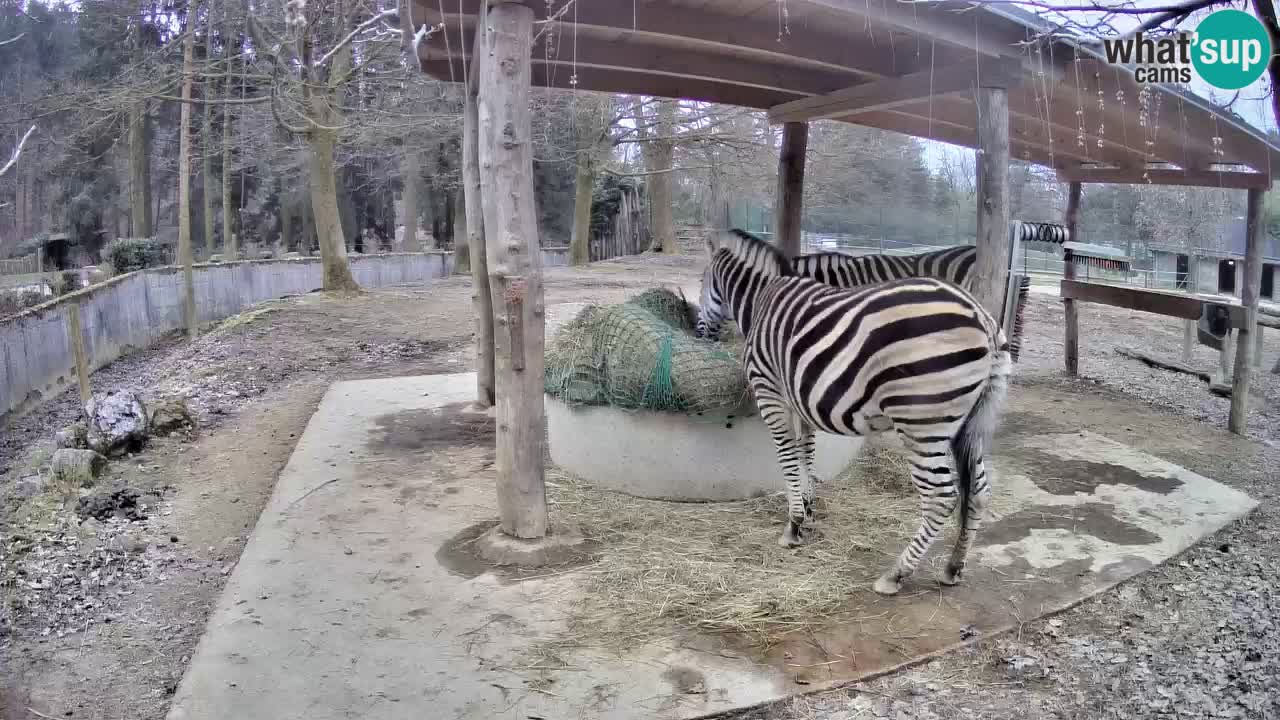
(718, 566)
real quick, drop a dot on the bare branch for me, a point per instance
(17, 151)
(16, 38)
(384, 15)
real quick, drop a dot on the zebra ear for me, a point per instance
(712, 244)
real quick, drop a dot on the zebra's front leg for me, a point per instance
(931, 474)
(778, 417)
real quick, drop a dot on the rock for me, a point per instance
(75, 436)
(77, 468)
(117, 423)
(170, 415)
(104, 504)
(29, 486)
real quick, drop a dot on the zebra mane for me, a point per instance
(755, 252)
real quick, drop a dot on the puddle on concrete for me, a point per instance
(1063, 476)
(1095, 519)
(430, 429)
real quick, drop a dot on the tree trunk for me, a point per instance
(515, 268)
(184, 185)
(481, 297)
(1256, 235)
(659, 156)
(1072, 334)
(206, 143)
(229, 245)
(140, 170)
(461, 243)
(324, 207)
(580, 239)
(411, 177)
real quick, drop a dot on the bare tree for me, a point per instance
(17, 151)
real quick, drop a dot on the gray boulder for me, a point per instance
(118, 423)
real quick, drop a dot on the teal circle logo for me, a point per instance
(1232, 49)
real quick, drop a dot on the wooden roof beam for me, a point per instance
(1229, 179)
(950, 25)
(897, 91)
(701, 30)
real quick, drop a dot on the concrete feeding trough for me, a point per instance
(711, 457)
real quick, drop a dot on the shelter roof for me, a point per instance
(909, 67)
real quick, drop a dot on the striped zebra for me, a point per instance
(918, 356)
(953, 264)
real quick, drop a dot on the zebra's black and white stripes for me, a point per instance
(918, 356)
(953, 264)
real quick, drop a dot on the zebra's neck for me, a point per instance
(742, 284)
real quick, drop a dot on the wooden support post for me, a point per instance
(1070, 219)
(992, 269)
(1188, 339)
(1249, 298)
(515, 266)
(481, 299)
(1257, 349)
(75, 335)
(790, 202)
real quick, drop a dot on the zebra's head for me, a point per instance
(712, 309)
(739, 265)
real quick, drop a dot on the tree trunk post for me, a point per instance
(1257, 348)
(992, 269)
(139, 170)
(515, 266)
(1255, 230)
(790, 202)
(1071, 219)
(481, 298)
(206, 142)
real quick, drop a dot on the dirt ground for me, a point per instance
(99, 618)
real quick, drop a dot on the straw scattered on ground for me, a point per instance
(718, 567)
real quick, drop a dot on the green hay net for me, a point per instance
(642, 355)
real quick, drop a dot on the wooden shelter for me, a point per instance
(989, 77)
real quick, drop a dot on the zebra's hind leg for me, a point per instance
(970, 516)
(778, 417)
(809, 483)
(931, 475)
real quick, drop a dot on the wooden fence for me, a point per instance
(629, 234)
(25, 265)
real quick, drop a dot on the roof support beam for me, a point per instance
(892, 92)
(1229, 179)
(790, 202)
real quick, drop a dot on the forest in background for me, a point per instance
(306, 122)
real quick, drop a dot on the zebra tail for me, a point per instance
(979, 426)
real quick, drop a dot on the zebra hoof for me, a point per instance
(951, 575)
(794, 536)
(887, 585)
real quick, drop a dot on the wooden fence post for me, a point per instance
(1071, 220)
(75, 335)
(515, 266)
(1249, 294)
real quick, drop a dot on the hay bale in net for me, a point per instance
(642, 355)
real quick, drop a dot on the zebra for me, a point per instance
(953, 264)
(919, 356)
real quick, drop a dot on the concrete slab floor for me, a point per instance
(342, 607)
